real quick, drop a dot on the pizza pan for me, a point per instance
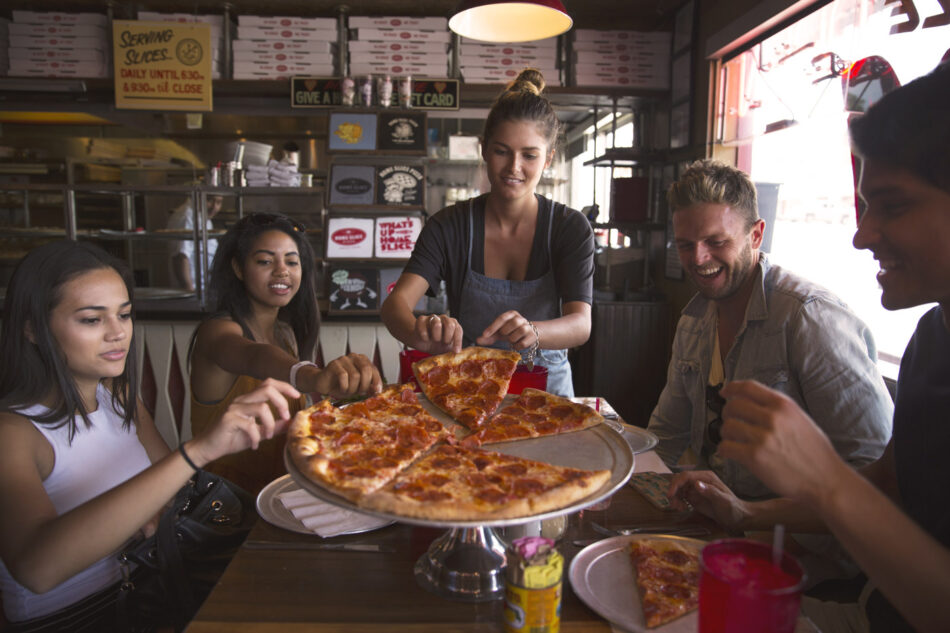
(595, 448)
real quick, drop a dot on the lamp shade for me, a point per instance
(506, 21)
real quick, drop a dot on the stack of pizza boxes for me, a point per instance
(398, 46)
(629, 59)
(216, 22)
(51, 44)
(275, 47)
(4, 46)
(492, 63)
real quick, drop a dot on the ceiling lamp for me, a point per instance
(506, 21)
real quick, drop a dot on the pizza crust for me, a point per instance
(667, 578)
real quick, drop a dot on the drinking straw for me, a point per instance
(778, 539)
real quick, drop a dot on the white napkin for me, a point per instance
(326, 519)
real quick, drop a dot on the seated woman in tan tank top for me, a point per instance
(265, 326)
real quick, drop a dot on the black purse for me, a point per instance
(169, 574)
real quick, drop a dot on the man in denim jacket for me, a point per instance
(754, 320)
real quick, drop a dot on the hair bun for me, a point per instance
(529, 80)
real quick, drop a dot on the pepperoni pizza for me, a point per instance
(667, 573)
(535, 413)
(468, 385)
(456, 483)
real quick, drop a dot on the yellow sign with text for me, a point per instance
(162, 65)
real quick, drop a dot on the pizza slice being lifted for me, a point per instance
(535, 413)
(356, 450)
(468, 385)
(667, 573)
(453, 483)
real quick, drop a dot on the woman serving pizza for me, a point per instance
(82, 466)
(518, 267)
(266, 326)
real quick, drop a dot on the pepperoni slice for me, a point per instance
(506, 420)
(524, 487)
(546, 427)
(533, 402)
(382, 463)
(476, 480)
(348, 439)
(408, 396)
(466, 386)
(321, 419)
(436, 480)
(491, 495)
(534, 418)
(489, 388)
(471, 368)
(407, 409)
(446, 463)
(437, 376)
(675, 557)
(561, 411)
(500, 367)
(433, 426)
(362, 472)
(515, 470)
(411, 436)
(570, 423)
(481, 463)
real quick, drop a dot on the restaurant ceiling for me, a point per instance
(646, 15)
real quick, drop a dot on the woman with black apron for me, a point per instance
(518, 268)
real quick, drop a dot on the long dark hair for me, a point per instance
(522, 101)
(30, 369)
(230, 296)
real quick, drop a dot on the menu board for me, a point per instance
(162, 65)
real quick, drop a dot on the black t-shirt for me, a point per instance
(441, 251)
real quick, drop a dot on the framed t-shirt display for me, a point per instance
(401, 131)
(353, 289)
(352, 185)
(352, 131)
(400, 185)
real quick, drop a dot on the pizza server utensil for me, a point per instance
(340, 547)
(675, 530)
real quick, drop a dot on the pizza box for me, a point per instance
(398, 22)
(394, 35)
(626, 81)
(481, 72)
(622, 68)
(396, 236)
(549, 44)
(156, 16)
(292, 57)
(301, 46)
(326, 24)
(350, 237)
(595, 57)
(31, 41)
(484, 61)
(64, 69)
(419, 70)
(52, 29)
(61, 54)
(598, 35)
(53, 17)
(391, 58)
(285, 33)
(283, 68)
(405, 47)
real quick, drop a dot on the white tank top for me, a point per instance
(99, 458)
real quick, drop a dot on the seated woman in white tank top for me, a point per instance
(82, 466)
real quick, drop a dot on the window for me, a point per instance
(784, 107)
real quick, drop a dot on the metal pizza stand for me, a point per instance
(468, 561)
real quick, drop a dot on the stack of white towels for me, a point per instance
(273, 174)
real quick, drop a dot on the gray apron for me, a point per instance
(483, 298)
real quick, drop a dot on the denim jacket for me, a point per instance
(797, 338)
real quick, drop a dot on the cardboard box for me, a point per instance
(625, 81)
(52, 17)
(28, 41)
(31, 68)
(398, 22)
(640, 69)
(326, 24)
(285, 33)
(495, 75)
(157, 16)
(390, 58)
(418, 70)
(59, 54)
(356, 48)
(596, 35)
(393, 35)
(300, 46)
(545, 65)
(272, 57)
(396, 236)
(51, 30)
(625, 56)
(549, 44)
(350, 238)
(283, 69)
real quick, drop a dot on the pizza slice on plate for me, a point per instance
(667, 573)
(535, 413)
(351, 454)
(455, 483)
(468, 385)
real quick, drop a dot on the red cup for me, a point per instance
(741, 590)
(536, 377)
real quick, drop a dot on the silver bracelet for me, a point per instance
(295, 369)
(530, 354)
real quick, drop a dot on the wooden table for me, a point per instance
(295, 590)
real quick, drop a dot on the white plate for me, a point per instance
(602, 577)
(273, 511)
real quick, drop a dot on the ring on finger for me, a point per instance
(433, 317)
